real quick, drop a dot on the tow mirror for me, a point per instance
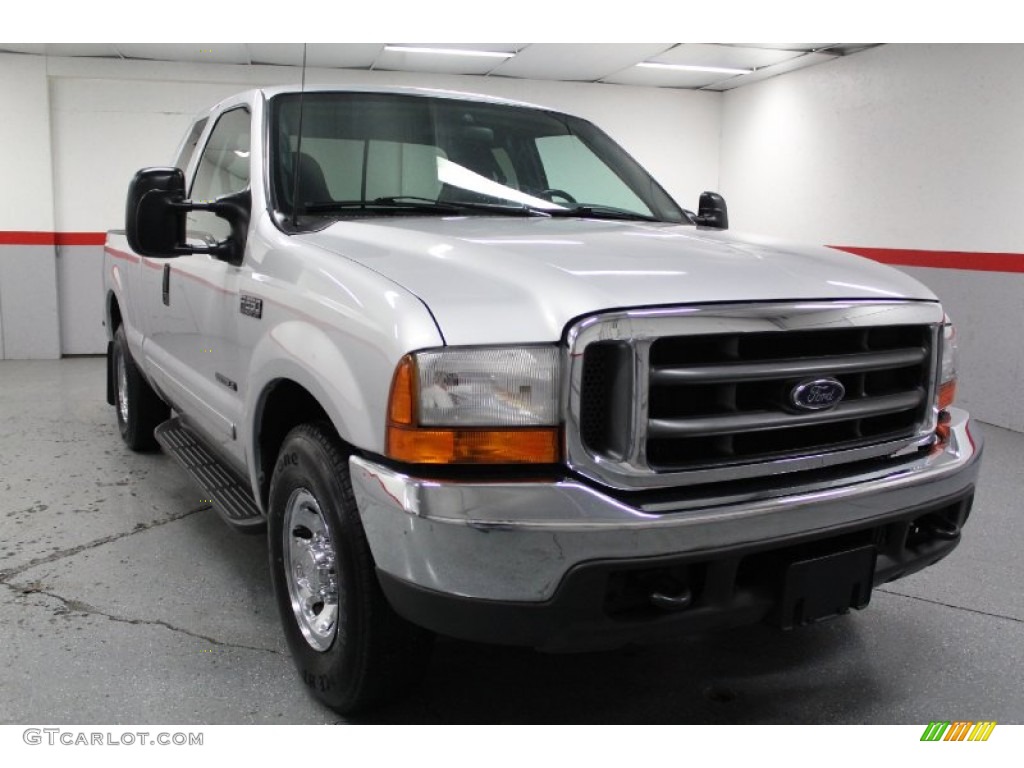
(713, 211)
(154, 217)
(156, 210)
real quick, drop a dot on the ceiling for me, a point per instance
(582, 62)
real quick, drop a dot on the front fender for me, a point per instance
(349, 378)
(306, 355)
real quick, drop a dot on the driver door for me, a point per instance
(194, 344)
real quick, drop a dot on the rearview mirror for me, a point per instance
(154, 217)
(156, 211)
(713, 211)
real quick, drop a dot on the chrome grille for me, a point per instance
(703, 394)
(725, 398)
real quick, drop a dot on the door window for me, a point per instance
(223, 170)
(188, 147)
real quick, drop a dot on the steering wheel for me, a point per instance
(551, 194)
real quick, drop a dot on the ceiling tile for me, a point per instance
(665, 78)
(62, 49)
(845, 49)
(107, 50)
(805, 60)
(604, 62)
(711, 55)
(329, 55)
(215, 53)
(36, 48)
(436, 63)
(344, 55)
(576, 61)
(805, 47)
(277, 54)
(496, 47)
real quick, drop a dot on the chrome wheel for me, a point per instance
(122, 388)
(350, 647)
(310, 566)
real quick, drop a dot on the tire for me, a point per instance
(139, 409)
(351, 649)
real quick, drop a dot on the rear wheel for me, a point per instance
(352, 650)
(139, 409)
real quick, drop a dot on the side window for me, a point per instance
(223, 169)
(188, 147)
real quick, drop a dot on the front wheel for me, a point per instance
(139, 409)
(352, 650)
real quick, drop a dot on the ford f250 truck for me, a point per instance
(477, 374)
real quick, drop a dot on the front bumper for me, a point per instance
(459, 556)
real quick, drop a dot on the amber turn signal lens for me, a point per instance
(402, 397)
(538, 445)
(947, 394)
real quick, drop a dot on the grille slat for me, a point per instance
(784, 369)
(760, 421)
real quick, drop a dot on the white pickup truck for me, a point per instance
(477, 374)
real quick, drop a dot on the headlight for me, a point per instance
(947, 371)
(476, 405)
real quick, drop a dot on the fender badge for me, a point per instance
(251, 306)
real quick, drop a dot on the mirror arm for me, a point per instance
(231, 211)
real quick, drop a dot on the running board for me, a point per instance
(230, 494)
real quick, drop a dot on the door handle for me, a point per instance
(167, 285)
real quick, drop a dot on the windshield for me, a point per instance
(384, 154)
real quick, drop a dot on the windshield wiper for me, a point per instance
(505, 209)
(594, 211)
(379, 204)
(418, 204)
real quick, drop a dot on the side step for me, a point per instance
(231, 495)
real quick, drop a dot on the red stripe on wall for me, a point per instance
(968, 260)
(81, 238)
(28, 238)
(52, 238)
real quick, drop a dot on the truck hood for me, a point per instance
(490, 280)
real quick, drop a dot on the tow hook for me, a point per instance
(941, 529)
(676, 602)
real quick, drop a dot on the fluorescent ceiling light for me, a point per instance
(449, 51)
(695, 68)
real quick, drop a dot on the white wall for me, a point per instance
(94, 122)
(906, 147)
(104, 129)
(25, 140)
(28, 282)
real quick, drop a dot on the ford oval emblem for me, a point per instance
(817, 394)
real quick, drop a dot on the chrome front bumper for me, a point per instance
(516, 541)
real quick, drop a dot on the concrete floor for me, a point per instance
(124, 599)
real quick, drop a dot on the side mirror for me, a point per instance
(713, 211)
(154, 216)
(156, 210)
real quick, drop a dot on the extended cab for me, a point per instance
(478, 374)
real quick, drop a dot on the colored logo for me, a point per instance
(960, 730)
(817, 394)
